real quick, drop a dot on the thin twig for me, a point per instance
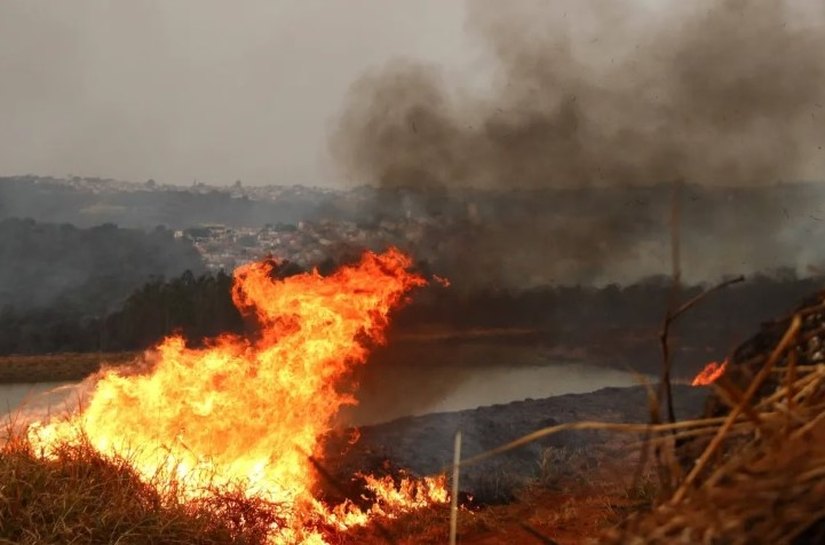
(694, 300)
(664, 338)
(665, 388)
(454, 499)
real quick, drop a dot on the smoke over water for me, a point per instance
(608, 95)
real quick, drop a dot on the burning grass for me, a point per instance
(235, 428)
(80, 496)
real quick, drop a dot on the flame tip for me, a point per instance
(710, 374)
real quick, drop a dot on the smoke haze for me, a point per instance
(607, 94)
(725, 92)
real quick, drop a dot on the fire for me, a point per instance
(710, 373)
(248, 412)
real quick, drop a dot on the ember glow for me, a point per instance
(710, 373)
(249, 411)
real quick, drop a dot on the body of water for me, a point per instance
(431, 389)
(394, 392)
(39, 397)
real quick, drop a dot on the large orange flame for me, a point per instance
(249, 412)
(709, 374)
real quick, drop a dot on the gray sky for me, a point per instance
(216, 90)
(208, 89)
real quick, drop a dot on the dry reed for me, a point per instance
(753, 469)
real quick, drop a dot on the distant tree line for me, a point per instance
(200, 307)
(617, 324)
(196, 306)
(84, 271)
(568, 308)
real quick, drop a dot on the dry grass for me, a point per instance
(81, 497)
(58, 367)
(759, 476)
(77, 495)
(757, 467)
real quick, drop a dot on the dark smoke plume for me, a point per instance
(598, 94)
(718, 96)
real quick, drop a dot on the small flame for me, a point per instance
(249, 412)
(710, 373)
